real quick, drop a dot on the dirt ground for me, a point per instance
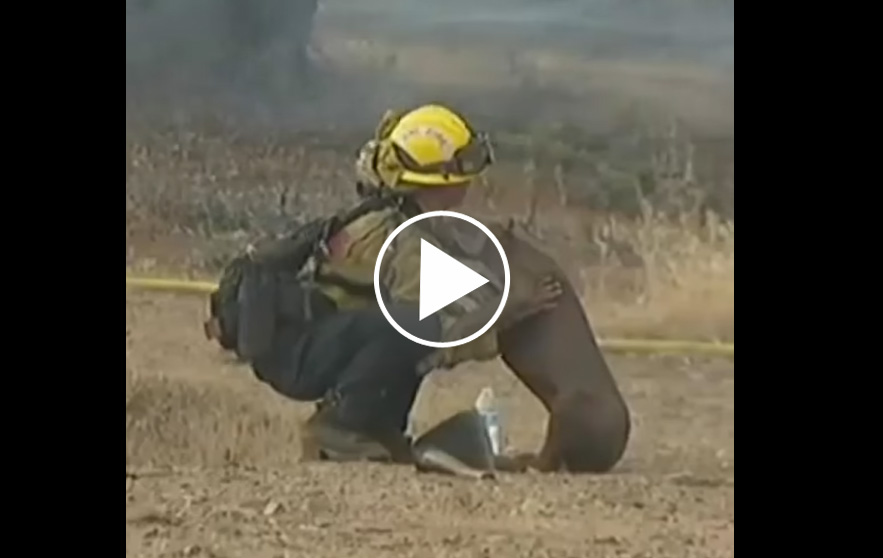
(212, 466)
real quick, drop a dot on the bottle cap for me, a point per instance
(485, 402)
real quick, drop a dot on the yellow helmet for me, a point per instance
(428, 146)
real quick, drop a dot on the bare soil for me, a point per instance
(213, 471)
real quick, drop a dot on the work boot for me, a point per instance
(336, 442)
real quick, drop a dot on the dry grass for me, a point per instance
(187, 422)
(189, 404)
(684, 289)
(212, 460)
(661, 266)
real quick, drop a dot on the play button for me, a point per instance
(443, 279)
(455, 261)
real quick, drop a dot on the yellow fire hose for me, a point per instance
(645, 346)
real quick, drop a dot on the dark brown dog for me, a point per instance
(555, 354)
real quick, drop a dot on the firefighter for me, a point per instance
(363, 372)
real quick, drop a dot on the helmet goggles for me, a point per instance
(468, 161)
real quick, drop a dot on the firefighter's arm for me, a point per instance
(482, 348)
(459, 319)
(400, 270)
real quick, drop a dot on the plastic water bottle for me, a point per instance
(486, 406)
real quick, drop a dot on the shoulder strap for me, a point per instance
(336, 223)
(369, 204)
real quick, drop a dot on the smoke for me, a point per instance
(696, 30)
(551, 59)
(181, 54)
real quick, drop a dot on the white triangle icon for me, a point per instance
(443, 279)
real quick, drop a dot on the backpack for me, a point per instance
(272, 283)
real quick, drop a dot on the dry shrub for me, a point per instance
(192, 422)
(685, 287)
(654, 261)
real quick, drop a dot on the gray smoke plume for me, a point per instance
(262, 63)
